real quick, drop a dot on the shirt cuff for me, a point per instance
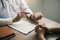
(28, 15)
(9, 21)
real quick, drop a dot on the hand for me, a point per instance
(36, 16)
(39, 29)
(19, 16)
(40, 32)
(43, 27)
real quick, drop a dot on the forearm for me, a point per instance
(6, 21)
(55, 30)
(41, 37)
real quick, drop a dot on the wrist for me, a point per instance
(13, 20)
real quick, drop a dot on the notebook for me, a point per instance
(23, 27)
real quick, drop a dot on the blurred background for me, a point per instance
(50, 8)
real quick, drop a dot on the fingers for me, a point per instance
(41, 27)
(37, 28)
(19, 16)
(37, 16)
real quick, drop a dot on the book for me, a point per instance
(23, 27)
(6, 33)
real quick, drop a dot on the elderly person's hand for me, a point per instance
(19, 16)
(36, 16)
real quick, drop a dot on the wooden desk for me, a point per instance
(32, 35)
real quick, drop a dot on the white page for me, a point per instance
(23, 26)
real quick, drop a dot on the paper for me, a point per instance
(23, 26)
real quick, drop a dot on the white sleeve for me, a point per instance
(6, 21)
(24, 7)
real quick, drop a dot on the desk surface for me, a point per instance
(32, 35)
(49, 23)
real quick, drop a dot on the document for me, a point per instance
(23, 27)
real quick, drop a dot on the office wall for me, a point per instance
(50, 8)
(35, 5)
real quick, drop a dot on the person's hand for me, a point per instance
(19, 16)
(39, 29)
(42, 27)
(40, 32)
(36, 16)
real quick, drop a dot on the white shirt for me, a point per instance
(10, 10)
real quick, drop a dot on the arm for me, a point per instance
(24, 7)
(7, 21)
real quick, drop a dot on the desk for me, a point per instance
(32, 35)
(20, 36)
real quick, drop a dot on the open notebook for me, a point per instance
(23, 27)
